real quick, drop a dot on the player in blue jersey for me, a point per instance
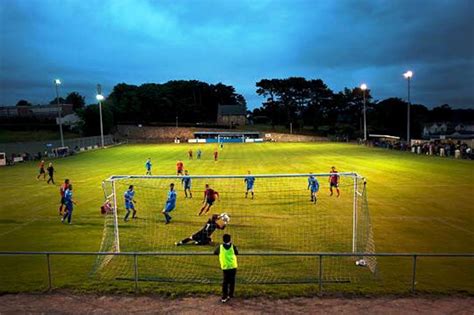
(129, 203)
(186, 181)
(249, 180)
(148, 166)
(68, 202)
(313, 185)
(170, 204)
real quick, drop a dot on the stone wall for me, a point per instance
(286, 137)
(168, 134)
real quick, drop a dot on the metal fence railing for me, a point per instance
(34, 147)
(319, 256)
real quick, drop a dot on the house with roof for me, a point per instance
(232, 115)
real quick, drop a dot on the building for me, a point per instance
(36, 111)
(232, 115)
(448, 131)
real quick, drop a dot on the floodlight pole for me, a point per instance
(57, 83)
(365, 118)
(100, 97)
(408, 111)
(408, 76)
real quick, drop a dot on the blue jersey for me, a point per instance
(186, 181)
(313, 184)
(68, 197)
(129, 194)
(148, 165)
(250, 180)
(171, 201)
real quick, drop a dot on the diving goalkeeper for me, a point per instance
(203, 237)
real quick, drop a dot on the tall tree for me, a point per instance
(54, 101)
(76, 99)
(23, 103)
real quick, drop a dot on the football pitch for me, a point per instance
(417, 204)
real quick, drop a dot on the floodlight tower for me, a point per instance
(363, 87)
(57, 83)
(100, 98)
(408, 75)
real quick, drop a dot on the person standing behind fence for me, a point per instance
(227, 253)
(69, 202)
(50, 170)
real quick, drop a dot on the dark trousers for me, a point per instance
(228, 284)
(50, 179)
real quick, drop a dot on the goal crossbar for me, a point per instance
(344, 174)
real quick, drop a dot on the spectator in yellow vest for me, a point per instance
(228, 259)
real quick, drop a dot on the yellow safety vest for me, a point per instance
(227, 258)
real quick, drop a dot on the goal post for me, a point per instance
(281, 218)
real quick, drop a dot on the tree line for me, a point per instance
(311, 103)
(307, 104)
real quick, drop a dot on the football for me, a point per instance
(225, 217)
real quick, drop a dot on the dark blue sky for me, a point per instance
(239, 42)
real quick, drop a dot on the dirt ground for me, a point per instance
(112, 304)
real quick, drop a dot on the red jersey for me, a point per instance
(62, 189)
(210, 194)
(179, 166)
(41, 165)
(334, 178)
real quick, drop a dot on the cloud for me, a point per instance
(343, 42)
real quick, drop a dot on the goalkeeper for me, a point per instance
(203, 237)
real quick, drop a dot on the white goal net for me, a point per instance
(279, 219)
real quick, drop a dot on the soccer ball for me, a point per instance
(361, 262)
(225, 217)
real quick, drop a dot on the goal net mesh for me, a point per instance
(280, 219)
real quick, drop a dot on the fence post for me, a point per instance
(50, 285)
(135, 264)
(413, 279)
(320, 274)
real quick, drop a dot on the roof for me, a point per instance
(227, 110)
(227, 133)
(384, 136)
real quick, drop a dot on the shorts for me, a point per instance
(169, 208)
(334, 185)
(69, 207)
(201, 238)
(130, 206)
(250, 188)
(314, 190)
(180, 171)
(187, 187)
(210, 202)
(62, 201)
(42, 171)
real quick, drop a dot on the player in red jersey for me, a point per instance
(210, 196)
(41, 170)
(62, 189)
(190, 154)
(216, 154)
(179, 168)
(334, 181)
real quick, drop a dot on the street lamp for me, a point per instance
(408, 75)
(100, 98)
(363, 87)
(57, 83)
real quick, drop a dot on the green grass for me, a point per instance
(417, 204)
